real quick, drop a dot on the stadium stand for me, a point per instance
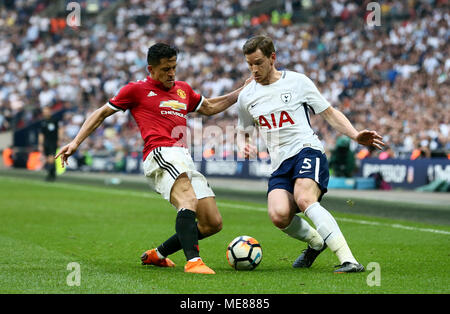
(392, 78)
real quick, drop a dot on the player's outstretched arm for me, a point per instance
(212, 106)
(340, 123)
(89, 126)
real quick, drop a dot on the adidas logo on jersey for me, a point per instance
(152, 93)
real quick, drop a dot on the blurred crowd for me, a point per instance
(391, 78)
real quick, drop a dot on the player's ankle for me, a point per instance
(160, 256)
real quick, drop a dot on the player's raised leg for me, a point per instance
(282, 211)
(306, 195)
(182, 196)
(187, 234)
(185, 200)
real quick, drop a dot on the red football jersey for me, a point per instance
(159, 113)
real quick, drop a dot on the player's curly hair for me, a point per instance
(159, 51)
(261, 42)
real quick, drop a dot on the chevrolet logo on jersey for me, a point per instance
(173, 104)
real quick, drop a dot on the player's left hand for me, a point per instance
(370, 138)
(250, 151)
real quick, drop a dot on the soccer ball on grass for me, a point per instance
(244, 253)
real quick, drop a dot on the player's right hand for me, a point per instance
(67, 151)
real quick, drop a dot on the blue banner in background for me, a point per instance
(399, 173)
(407, 174)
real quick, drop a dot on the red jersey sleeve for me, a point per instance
(125, 98)
(195, 100)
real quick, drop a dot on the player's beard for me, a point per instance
(170, 82)
(264, 79)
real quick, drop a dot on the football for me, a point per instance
(244, 253)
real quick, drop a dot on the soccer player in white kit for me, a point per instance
(278, 103)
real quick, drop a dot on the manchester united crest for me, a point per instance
(181, 93)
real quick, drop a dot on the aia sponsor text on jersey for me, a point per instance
(275, 120)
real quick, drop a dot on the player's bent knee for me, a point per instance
(279, 222)
(212, 227)
(216, 227)
(279, 218)
(306, 193)
(217, 224)
(304, 201)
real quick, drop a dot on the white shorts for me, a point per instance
(163, 166)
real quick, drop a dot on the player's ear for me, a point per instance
(150, 69)
(273, 58)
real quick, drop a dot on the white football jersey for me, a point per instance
(280, 111)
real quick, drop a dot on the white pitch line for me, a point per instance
(356, 221)
(246, 207)
(219, 203)
(397, 226)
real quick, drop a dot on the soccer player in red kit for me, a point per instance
(160, 105)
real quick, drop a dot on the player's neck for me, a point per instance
(273, 76)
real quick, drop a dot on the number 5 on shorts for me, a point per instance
(306, 163)
(306, 166)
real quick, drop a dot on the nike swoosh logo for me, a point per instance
(253, 105)
(304, 171)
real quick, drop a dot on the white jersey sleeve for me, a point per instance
(311, 94)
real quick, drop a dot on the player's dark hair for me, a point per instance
(160, 51)
(261, 42)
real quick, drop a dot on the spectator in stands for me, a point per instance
(393, 77)
(387, 153)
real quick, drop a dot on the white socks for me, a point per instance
(301, 230)
(329, 230)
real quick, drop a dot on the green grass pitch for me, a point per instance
(44, 227)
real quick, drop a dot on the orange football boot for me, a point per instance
(150, 257)
(198, 267)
